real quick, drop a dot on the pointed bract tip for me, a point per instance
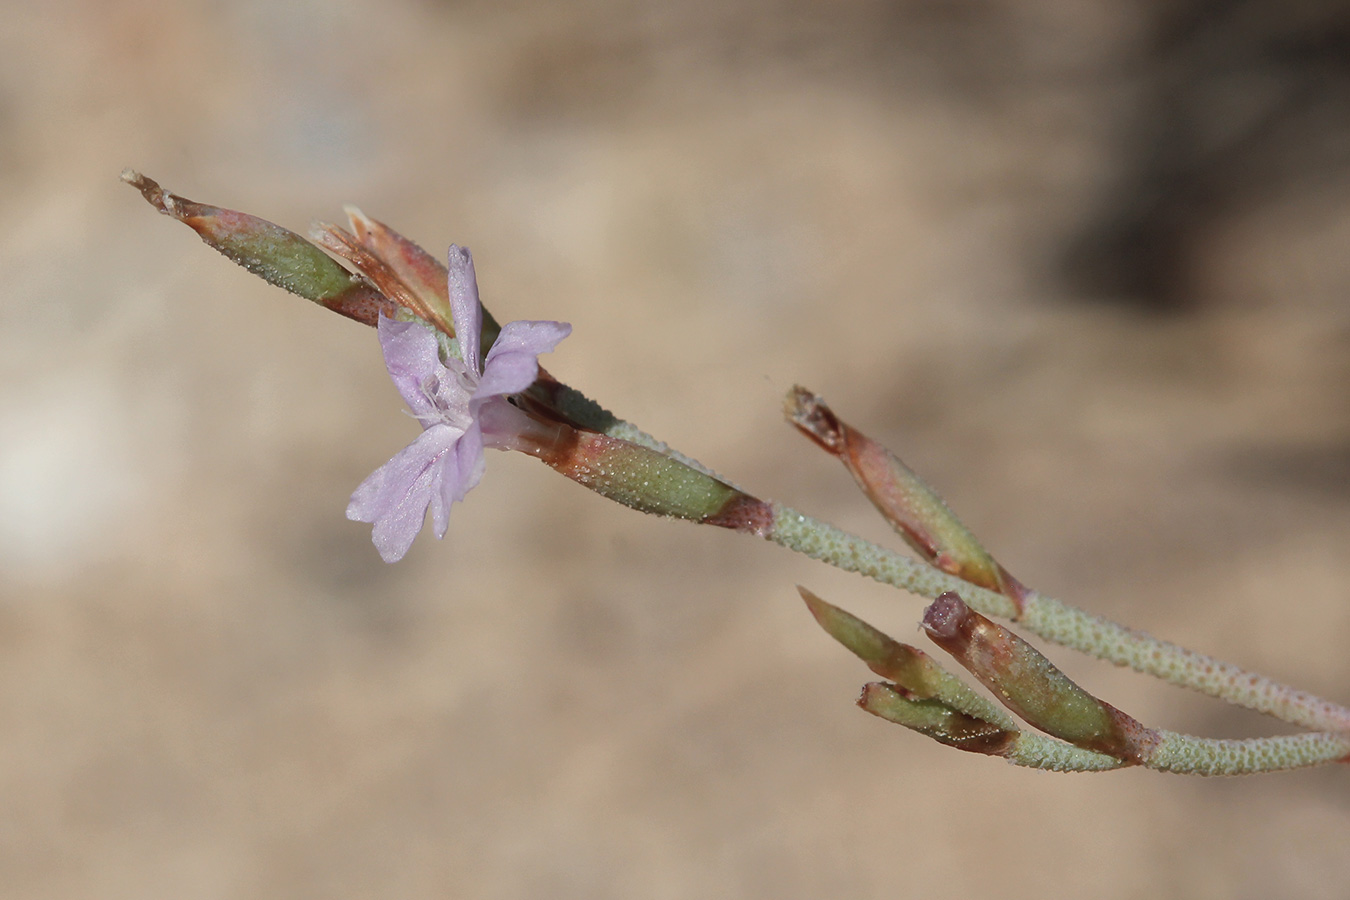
(361, 223)
(155, 195)
(823, 611)
(814, 419)
(844, 627)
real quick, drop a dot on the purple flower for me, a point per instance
(462, 406)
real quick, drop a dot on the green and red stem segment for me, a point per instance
(649, 481)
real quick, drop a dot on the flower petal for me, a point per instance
(469, 466)
(512, 363)
(393, 534)
(465, 309)
(396, 495)
(504, 427)
(411, 356)
(447, 473)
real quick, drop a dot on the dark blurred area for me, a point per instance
(1083, 265)
(1232, 105)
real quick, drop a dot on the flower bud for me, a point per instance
(914, 672)
(1030, 685)
(912, 507)
(937, 720)
(269, 251)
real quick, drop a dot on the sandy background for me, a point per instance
(1082, 264)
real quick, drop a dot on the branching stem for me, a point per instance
(1051, 619)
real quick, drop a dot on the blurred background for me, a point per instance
(1082, 264)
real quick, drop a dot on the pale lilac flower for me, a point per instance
(462, 406)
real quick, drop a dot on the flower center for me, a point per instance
(447, 397)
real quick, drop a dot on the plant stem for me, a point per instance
(1183, 754)
(1187, 755)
